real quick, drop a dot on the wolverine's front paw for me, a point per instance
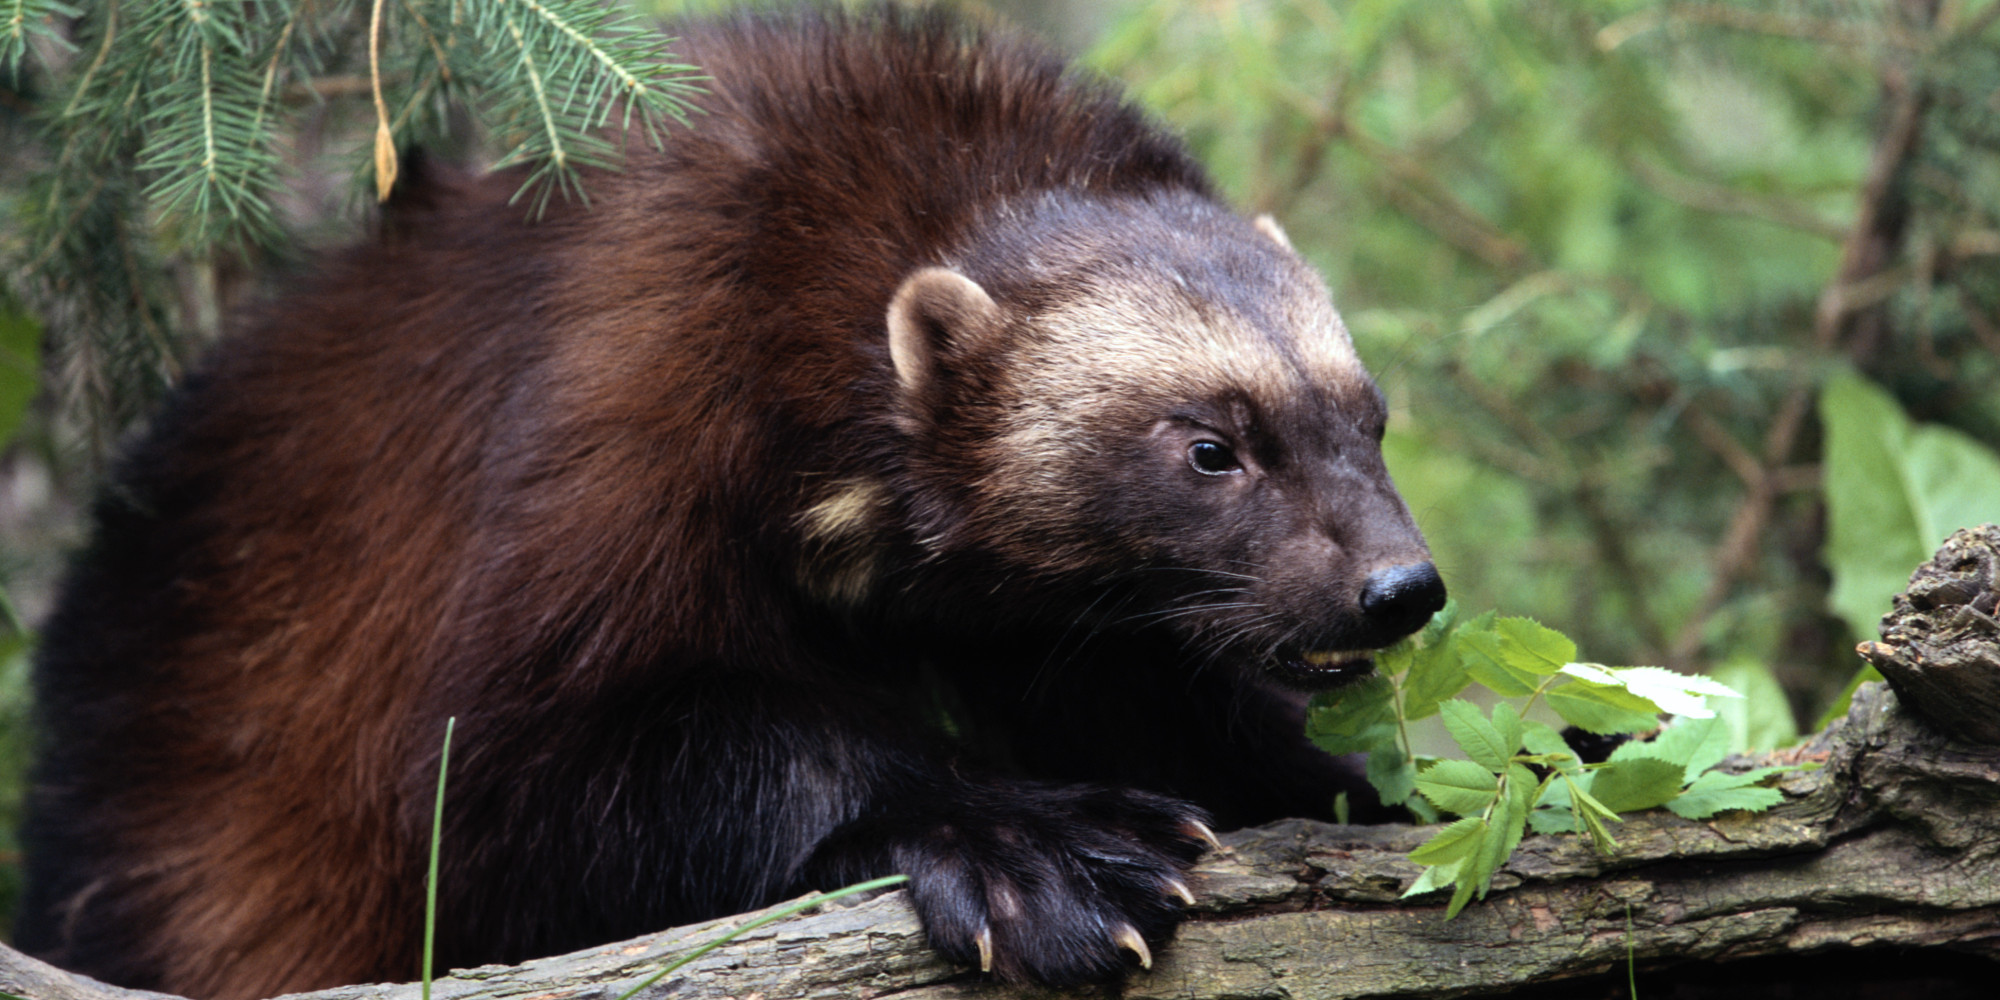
(1055, 885)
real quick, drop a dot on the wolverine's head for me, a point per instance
(1155, 397)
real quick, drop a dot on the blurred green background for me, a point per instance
(1689, 313)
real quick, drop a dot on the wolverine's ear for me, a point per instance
(935, 310)
(1269, 227)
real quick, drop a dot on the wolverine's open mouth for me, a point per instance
(1325, 668)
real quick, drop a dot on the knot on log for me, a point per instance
(1940, 645)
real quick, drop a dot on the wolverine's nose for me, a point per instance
(1401, 599)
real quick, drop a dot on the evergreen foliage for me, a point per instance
(166, 133)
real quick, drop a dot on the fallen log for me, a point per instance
(1891, 842)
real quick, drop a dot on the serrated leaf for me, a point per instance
(1596, 673)
(1552, 821)
(1509, 821)
(1637, 783)
(1695, 744)
(1462, 895)
(1601, 709)
(1481, 655)
(1432, 879)
(1593, 816)
(1585, 803)
(1392, 773)
(1507, 722)
(1458, 786)
(1717, 791)
(1453, 843)
(1357, 718)
(1475, 735)
(1479, 868)
(1542, 740)
(1421, 808)
(1678, 693)
(1436, 673)
(1532, 647)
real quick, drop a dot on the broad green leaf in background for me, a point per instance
(1894, 490)
(1762, 719)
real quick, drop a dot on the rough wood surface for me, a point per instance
(1895, 841)
(1940, 645)
(1892, 842)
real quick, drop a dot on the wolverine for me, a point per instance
(914, 467)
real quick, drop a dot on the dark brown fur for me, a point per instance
(557, 480)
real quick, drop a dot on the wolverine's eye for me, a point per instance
(1211, 458)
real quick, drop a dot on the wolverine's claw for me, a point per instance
(1200, 829)
(985, 941)
(1128, 938)
(1179, 888)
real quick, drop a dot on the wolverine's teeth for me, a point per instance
(1336, 657)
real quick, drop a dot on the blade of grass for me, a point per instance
(431, 883)
(768, 918)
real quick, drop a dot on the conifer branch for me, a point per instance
(24, 19)
(161, 147)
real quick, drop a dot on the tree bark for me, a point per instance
(1893, 841)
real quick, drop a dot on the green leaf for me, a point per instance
(1552, 821)
(1894, 491)
(1637, 783)
(1476, 736)
(1533, 647)
(1357, 718)
(1481, 866)
(1695, 744)
(1392, 773)
(1437, 668)
(1762, 719)
(1716, 792)
(1432, 879)
(1453, 843)
(1542, 740)
(1674, 692)
(1593, 814)
(1508, 723)
(1840, 705)
(1602, 709)
(1467, 881)
(1514, 654)
(1509, 822)
(1458, 786)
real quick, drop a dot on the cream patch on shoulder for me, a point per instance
(843, 555)
(848, 509)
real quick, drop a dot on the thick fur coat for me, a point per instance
(914, 468)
